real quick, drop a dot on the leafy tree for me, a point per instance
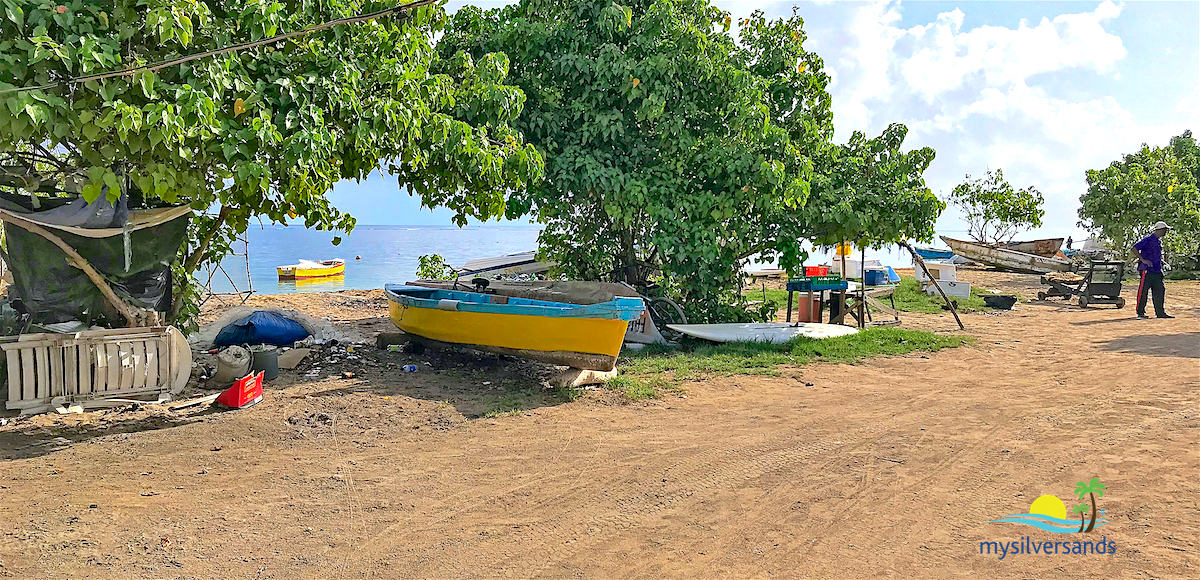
(1124, 199)
(1081, 509)
(1091, 488)
(670, 146)
(995, 211)
(867, 191)
(434, 267)
(265, 131)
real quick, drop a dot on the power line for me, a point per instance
(154, 67)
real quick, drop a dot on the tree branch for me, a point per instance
(193, 260)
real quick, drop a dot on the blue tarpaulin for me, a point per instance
(262, 328)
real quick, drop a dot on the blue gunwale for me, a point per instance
(620, 308)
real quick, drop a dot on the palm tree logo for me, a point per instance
(1049, 513)
(1080, 508)
(1091, 488)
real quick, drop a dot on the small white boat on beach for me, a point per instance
(1005, 258)
(517, 263)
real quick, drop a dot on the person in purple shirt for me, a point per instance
(1150, 267)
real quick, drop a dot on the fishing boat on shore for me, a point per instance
(929, 253)
(1000, 257)
(312, 269)
(578, 336)
(1046, 248)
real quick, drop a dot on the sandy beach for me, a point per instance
(891, 468)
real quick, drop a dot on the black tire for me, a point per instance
(1083, 301)
(1120, 303)
(1041, 296)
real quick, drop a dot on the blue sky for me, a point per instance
(1044, 90)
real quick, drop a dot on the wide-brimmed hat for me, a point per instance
(1161, 225)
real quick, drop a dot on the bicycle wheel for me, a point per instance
(665, 311)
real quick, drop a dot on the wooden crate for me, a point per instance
(46, 370)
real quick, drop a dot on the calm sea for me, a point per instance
(389, 254)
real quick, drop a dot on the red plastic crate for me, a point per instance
(245, 392)
(811, 271)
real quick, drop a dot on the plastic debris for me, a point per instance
(410, 368)
(232, 364)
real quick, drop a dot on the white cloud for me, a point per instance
(979, 97)
(944, 56)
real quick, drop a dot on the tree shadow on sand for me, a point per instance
(475, 384)
(1183, 345)
(36, 441)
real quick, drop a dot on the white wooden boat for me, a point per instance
(1005, 258)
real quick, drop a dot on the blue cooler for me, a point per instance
(875, 277)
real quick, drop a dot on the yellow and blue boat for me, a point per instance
(579, 336)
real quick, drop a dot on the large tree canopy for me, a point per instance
(1124, 199)
(265, 131)
(660, 146)
(669, 143)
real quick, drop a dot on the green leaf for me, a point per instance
(15, 14)
(91, 192)
(147, 80)
(90, 131)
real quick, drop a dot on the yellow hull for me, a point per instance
(516, 332)
(299, 272)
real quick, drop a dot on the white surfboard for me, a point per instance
(777, 332)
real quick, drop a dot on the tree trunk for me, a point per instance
(629, 260)
(1093, 522)
(1082, 521)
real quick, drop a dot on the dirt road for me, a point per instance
(892, 468)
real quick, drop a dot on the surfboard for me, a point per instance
(776, 332)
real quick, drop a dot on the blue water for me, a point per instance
(1050, 524)
(389, 254)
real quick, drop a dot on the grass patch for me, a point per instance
(639, 388)
(518, 400)
(776, 295)
(910, 298)
(507, 405)
(698, 360)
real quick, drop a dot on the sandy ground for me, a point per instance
(887, 469)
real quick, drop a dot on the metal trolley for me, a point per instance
(1100, 285)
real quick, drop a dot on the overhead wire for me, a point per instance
(157, 66)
